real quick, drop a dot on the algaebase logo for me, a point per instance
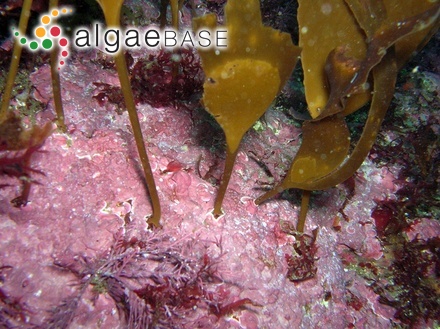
(111, 40)
(47, 35)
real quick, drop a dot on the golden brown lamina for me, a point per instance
(243, 80)
(360, 37)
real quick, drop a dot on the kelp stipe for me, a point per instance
(175, 5)
(13, 136)
(346, 65)
(56, 85)
(112, 13)
(243, 79)
(16, 54)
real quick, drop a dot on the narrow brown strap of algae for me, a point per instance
(56, 85)
(112, 13)
(16, 54)
(384, 74)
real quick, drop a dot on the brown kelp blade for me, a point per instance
(323, 26)
(382, 32)
(347, 77)
(387, 34)
(243, 79)
(324, 147)
(407, 46)
(384, 75)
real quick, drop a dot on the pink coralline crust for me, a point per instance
(423, 229)
(93, 187)
(101, 308)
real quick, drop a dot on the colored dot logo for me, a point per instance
(48, 35)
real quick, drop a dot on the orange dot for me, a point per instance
(64, 10)
(40, 32)
(55, 13)
(45, 19)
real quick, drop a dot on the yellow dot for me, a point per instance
(64, 10)
(55, 13)
(40, 32)
(45, 19)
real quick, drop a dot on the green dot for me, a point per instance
(33, 45)
(47, 44)
(17, 34)
(23, 41)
